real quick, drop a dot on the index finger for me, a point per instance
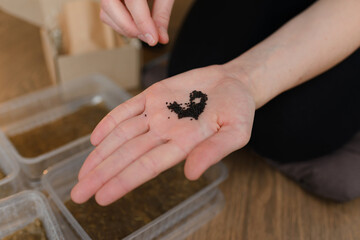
(161, 15)
(120, 16)
(124, 111)
(140, 12)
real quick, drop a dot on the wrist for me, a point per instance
(264, 70)
(248, 77)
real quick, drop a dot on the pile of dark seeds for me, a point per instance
(191, 109)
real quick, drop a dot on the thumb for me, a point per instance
(213, 149)
(161, 15)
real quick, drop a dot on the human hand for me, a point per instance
(132, 18)
(141, 137)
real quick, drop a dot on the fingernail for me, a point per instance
(149, 39)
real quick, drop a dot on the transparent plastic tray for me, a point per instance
(38, 108)
(59, 185)
(11, 183)
(23, 208)
(195, 220)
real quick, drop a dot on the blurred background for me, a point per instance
(40, 46)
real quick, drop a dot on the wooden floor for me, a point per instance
(261, 204)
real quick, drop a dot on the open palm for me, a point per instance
(141, 137)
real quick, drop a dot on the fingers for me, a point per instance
(140, 12)
(140, 171)
(106, 19)
(124, 111)
(125, 131)
(134, 19)
(113, 165)
(161, 14)
(120, 16)
(213, 149)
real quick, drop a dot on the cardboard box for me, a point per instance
(119, 64)
(28, 10)
(122, 64)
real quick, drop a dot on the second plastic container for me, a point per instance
(36, 109)
(60, 179)
(23, 208)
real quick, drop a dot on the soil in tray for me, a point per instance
(59, 132)
(2, 174)
(32, 231)
(137, 208)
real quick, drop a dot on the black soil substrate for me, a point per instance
(191, 109)
(137, 208)
(32, 231)
(57, 133)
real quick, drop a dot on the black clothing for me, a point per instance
(308, 121)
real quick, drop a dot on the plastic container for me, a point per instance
(59, 185)
(23, 208)
(11, 183)
(200, 217)
(41, 107)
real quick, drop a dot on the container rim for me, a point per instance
(46, 92)
(63, 148)
(15, 169)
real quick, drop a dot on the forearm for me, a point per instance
(309, 44)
